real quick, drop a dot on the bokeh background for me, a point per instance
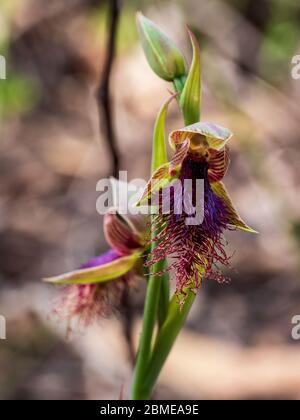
(237, 341)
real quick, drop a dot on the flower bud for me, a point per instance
(163, 56)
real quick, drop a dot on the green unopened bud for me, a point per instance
(163, 56)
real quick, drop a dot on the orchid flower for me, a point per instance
(95, 289)
(201, 152)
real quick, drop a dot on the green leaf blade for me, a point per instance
(159, 149)
(190, 100)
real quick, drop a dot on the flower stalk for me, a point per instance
(165, 341)
(200, 153)
(157, 296)
(170, 317)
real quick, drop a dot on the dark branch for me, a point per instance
(106, 123)
(103, 92)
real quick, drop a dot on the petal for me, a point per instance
(233, 217)
(137, 223)
(218, 164)
(215, 135)
(125, 196)
(160, 179)
(179, 156)
(124, 204)
(119, 234)
(100, 274)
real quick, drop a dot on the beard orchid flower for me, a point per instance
(201, 153)
(96, 288)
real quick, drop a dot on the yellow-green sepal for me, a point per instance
(99, 274)
(160, 179)
(216, 135)
(159, 149)
(234, 218)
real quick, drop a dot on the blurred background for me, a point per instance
(57, 142)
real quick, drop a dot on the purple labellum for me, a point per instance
(195, 249)
(102, 259)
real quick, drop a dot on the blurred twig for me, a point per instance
(106, 123)
(103, 92)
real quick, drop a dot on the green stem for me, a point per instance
(158, 293)
(164, 296)
(165, 341)
(149, 318)
(178, 84)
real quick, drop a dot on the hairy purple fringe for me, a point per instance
(87, 302)
(195, 250)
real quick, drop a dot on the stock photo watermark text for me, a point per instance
(2, 328)
(2, 67)
(296, 328)
(296, 67)
(180, 197)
